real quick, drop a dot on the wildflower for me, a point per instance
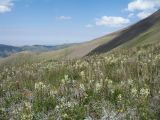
(69, 104)
(110, 82)
(26, 116)
(66, 77)
(40, 86)
(101, 74)
(27, 105)
(63, 81)
(52, 93)
(112, 91)
(134, 91)
(65, 115)
(88, 118)
(144, 92)
(82, 74)
(106, 58)
(82, 87)
(98, 86)
(120, 110)
(130, 81)
(119, 97)
(15, 111)
(57, 107)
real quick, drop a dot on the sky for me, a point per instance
(53, 22)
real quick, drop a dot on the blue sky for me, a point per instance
(51, 22)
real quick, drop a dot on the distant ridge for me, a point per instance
(7, 50)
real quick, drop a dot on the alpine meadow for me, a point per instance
(113, 77)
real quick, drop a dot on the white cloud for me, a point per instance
(64, 17)
(6, 5)
(143, 5)
(111, 21)
(144, 14)
(89, 26)
(143, 8)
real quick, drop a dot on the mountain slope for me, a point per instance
(146, 31)
(79, 50)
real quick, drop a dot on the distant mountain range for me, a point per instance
(7, 50)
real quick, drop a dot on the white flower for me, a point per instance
(130, 81)
(65, 115)
(82, 87)
(112, 91)
(57, 107)
(119, 97)
(134, 91)
(144, 92)
(88, 118)
(66, 77)
(28, 105)
(82, 74)
(26, 116)
(52, 93)
(110, 82)
(69, 104)
(40, 86)
(98, 86)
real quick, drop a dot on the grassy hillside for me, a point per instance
(151, 36)
(120, 85)
(80, 50)
(144, 32)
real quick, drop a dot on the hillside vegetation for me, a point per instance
(119, 85)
